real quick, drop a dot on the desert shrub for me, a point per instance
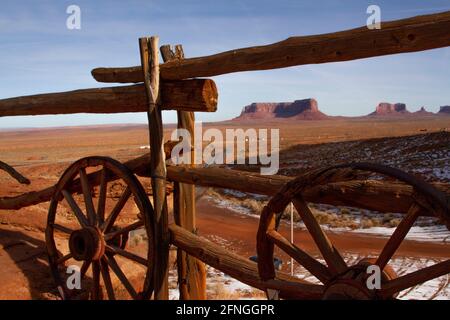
(394, 222)
(387, 217)
(219, 292)
(254, 205)
(367, 223)
(324, 217)
(287, 214)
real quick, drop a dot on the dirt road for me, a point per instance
(238, 232)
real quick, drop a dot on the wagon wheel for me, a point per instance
(341, 281)
(94, 237)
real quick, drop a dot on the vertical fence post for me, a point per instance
(150, 67)
(291, 207)
(191, 272)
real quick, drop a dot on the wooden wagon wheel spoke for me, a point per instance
(116, 210)
(126, 254)
(75, 209)
(96, 237)
(124, 230)
(123, 279)
(333, 258)
(87, 197)
(102, 195)
(399, 234)
(107, 279)
(96, 280)
(414, 278)
(84, 268)
(64, 258)
(312, 265)
(62, 228)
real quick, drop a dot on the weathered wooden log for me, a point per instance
(382, 196)
(406, 35)
(189, 95)
(374, 195)
(14, 173)
(191, 272)
(240, 268)
(44, 195)
(157, 166)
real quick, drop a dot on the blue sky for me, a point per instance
(39, 54)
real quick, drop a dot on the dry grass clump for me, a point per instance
(334, 220)
(218, 291)
(254, 205)
(367, 223)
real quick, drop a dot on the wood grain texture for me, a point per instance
(157, 168)
(189, 95)
(374, 195)
(335, 262)
(398, 235)
(191, 272)
(265, 247)
(14, 173)
(406, 35)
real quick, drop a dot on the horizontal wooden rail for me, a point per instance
(14, 173)
(241, 268)
(374, 195)
(35, 197)
(188, 95)
(382, 196)
(406, 35)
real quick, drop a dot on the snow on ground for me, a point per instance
(436, 233)
(430, 233)
(221, 286)
(436, 289)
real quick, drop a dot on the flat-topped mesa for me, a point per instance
(306, 109)
(444, 110)
(385, 108)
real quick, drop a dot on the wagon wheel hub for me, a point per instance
(352, 285)
(87, 244)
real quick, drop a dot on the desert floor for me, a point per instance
(43, 154)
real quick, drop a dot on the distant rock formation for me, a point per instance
(386, 109)
(444, 109)
(423, 112)
(306, 109)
